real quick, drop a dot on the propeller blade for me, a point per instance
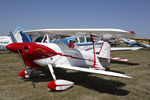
(22, 59)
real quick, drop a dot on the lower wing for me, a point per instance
(91, 70)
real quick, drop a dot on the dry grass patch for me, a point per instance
(87, 86)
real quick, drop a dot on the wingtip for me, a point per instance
(129, 77)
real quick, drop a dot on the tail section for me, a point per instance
(105, 50)
(13, 38)
(25, 37)
(18, 36)
(104, 55)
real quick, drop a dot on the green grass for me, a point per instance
(87, 86)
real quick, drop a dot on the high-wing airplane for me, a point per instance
(5, 40)
(58, 55)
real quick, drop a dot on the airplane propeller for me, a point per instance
(15, 41)
(31, 73)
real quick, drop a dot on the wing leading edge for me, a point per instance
(106, 32)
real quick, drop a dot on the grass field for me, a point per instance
(87, 86)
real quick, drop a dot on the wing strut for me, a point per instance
(47, 38)
(43, 38)
(92, 39)
(52, 71)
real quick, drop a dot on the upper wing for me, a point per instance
(104, 33)
(90, 70)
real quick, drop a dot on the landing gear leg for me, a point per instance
(58, 84)
(52, 71)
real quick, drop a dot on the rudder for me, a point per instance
(105, 50)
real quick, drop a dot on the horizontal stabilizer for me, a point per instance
(125, 48)
(91, 70)
(114, 58)
(117, 49)
(118, 59)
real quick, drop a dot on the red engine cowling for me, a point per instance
(31, 51)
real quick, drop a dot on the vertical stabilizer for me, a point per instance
(19, 36)
(104, 55)
(13, 38)
(24, 37)
(105, 50)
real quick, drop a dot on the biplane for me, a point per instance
(58, 55)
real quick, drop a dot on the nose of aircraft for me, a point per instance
(13, 47)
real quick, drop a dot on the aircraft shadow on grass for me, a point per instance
(84, 79)
(126, 63)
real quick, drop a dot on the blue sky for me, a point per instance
(130, 15)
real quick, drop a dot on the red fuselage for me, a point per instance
(31, 51)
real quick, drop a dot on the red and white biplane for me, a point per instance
(59, 55)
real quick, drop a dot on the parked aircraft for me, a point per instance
(145, 44)
(130, 42)
(59, 55)
(142, 40)
(4, 40)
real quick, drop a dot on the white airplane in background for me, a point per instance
(145, 44)
(130, 42)
(4, 40)
(59, 55)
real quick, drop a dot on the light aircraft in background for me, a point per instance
(57, 55)
(143, 42)
(145, 45)
(5, 40)
(130, 42)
